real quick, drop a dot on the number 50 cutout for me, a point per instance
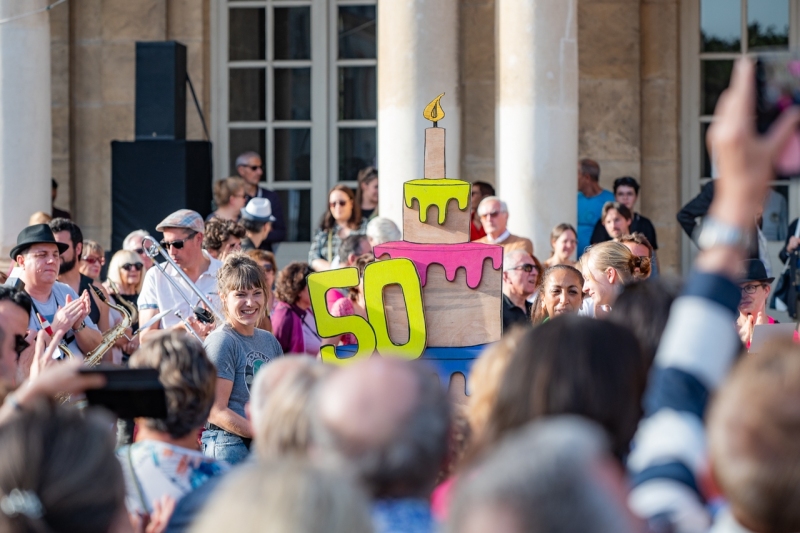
(372, 335)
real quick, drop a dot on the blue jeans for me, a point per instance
(224, 446)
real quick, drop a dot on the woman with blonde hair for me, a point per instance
(283, 496)
(230, 198)
(564, 241)
(238, 349)
(607, 267)
(124, 282)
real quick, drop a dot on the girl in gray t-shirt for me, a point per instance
(238, 349)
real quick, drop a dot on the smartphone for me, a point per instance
(777, 89)
(129, 392)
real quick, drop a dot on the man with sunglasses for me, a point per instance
(15, 313)
(69, 233)
(183, 240)
(493, 213)
(519, 283)
(250, 168)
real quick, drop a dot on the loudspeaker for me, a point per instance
(151, 179)
(160, 90)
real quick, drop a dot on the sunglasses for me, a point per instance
(268, 267)
(176, 244)
(94, 260)
(20, 344)
(127, 267)
(340, 203)
(527, 268)
(139, 251)
(252, 167)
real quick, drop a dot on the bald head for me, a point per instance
(388, 418)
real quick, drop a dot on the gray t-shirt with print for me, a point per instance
(238, 358)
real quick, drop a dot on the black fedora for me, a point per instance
(754, 270)
(36, 234)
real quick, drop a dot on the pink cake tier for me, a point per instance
(461, 292)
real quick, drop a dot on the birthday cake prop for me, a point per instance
(433, 295)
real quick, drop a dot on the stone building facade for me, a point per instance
(641, 89)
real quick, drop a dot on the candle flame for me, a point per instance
(434, 111)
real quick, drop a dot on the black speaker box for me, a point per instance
(151, 179)
(160, 90)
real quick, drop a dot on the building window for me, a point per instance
(714, 34)
(297, 83)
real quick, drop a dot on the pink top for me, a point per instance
(468, 255)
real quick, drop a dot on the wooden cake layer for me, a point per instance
(436, 211)
(461, 293)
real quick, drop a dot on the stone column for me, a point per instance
(536, 115)
(417, 60)
(25, 141)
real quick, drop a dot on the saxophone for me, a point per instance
(111, 336)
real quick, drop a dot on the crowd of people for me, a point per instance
(615, 402)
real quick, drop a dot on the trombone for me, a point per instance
(209, 315)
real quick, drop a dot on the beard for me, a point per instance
(66, 266)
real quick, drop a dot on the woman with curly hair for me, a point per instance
(343, 218)
(223, 237)
(293, 320)
(238, 350)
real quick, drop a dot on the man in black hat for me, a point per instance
(56, 307)
(755, 286)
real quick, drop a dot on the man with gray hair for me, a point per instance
(133, 243)
(251, 169)
(387, 419)
(493, 213)
(381, 230)
(520, 274)
(552, 476)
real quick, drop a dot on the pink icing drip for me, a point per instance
(469, 255)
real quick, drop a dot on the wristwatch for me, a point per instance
(713, 233)
(80, 328)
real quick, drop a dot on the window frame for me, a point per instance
(691, 107)
(324, 64)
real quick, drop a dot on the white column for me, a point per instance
(536, 116)
(417, 60)
(25, 138)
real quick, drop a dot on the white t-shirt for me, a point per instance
(158, 293)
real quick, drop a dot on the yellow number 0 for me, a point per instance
(374, 334)
(395, 272)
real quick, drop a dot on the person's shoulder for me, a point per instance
(483, 240)
(62, 289)
(213, 265)
(265, 337)
(606, 195)
(219, 338)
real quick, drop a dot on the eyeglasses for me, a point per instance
(268, 267)
(178, 244)
(528, 268)
(127, 267)
(93, 260)
(340, 203)
(139, 251)
(20, 344)
(751, 289)
(252, 167)
(491, 214)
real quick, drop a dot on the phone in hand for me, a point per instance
(129, 392)
(777, 89)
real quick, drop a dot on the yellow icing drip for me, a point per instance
(438, 193)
